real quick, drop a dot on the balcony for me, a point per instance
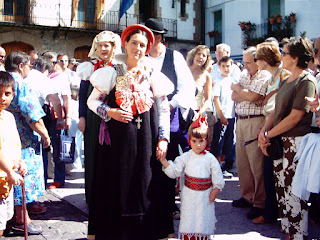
(253, 34)
(58, 16)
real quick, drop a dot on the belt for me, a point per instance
(199, 184)
(250, 116)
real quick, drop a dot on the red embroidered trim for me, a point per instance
(199, 184)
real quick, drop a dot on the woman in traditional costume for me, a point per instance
(131, 99)
(104, 46)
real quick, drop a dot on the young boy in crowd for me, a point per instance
(10, 151)
(223, 144)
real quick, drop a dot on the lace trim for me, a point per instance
(197, 236)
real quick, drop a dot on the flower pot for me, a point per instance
(271, 20)
(248, 27)
(242, 26)
(279, 19)
(292, 18)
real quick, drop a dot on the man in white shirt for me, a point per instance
(174, 66)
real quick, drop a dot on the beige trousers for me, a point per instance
(249, 161)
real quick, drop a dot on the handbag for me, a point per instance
(5, 187)
(67, 148)
(275, 150)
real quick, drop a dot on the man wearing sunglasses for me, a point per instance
(2, 58)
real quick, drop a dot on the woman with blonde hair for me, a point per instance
(199, 62)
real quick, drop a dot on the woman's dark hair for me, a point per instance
(6, 80)
(15, 58)
(300, 47)
(140, 32)
(42, 64)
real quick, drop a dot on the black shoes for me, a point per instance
(255, 212)
(241, 203)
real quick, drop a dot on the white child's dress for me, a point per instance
(197, 212)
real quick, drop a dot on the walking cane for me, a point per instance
(24, 211)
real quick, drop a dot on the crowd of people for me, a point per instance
(134, 110)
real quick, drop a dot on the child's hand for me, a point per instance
(15, 178)
(223, 120)
(213, 194)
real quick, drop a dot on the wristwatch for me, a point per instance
(266, 135)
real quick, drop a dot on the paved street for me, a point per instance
(66, 216)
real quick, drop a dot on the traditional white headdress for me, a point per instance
(105, 36)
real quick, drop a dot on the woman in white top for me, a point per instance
(199, 62)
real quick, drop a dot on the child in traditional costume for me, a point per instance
(203, 180)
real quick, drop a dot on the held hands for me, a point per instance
(120, 115)
(162, 148)
(213, 194)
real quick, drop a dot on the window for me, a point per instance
(15, 7)
(183, 8)
(274, 7)
(86, 11)
(217, 16)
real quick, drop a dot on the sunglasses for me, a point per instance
(283, 53)
(62, 60)
(2, 56)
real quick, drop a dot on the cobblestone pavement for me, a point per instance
(66, 216)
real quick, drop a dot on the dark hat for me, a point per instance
(156, 26)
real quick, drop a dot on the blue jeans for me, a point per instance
(223, 141)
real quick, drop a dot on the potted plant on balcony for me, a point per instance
(278, 17)
(242, 25)
(250, 26)
(271, 19)
(213, 33)
(292, 17)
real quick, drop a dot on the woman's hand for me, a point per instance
(46, 141)
(82, 124)
(263, 142)
(162, 148)
(120, 115)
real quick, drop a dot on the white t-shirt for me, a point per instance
(40, 84)
(223, 90)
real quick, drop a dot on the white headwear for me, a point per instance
(105, 36)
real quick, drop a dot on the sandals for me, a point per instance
(37, 208)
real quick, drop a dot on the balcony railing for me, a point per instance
(258, 33)
(59, 15)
